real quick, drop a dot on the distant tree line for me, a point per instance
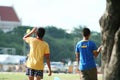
(61, 42)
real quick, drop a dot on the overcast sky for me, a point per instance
(65, 14)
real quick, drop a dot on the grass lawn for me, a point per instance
(22, 76)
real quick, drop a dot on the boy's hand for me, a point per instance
(50, 73)
(99, 49)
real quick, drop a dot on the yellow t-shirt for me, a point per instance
(38, 49)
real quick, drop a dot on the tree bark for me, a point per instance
(110, 28)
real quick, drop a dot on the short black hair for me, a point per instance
(40, 32)
(86, 32)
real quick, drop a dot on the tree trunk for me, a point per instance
(110, 28)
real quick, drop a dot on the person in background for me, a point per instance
(85, 52)
(39, 49)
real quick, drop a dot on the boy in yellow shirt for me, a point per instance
(38, 50)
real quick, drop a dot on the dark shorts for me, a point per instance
(90, 74)
(33, 72)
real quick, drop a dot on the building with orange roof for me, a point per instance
(8, 18)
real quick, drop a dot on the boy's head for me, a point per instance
(86, 32)
(40, 32)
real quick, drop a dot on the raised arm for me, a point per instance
(29, 34)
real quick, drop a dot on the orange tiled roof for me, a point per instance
(8, 14)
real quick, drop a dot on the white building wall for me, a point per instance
(8, 25)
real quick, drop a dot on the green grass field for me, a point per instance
(22, 76)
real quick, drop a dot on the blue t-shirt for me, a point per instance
(85, 49)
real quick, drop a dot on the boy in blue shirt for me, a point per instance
(85, 51)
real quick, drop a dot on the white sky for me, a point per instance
(64, 14)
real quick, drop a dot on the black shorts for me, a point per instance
(33, 72)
